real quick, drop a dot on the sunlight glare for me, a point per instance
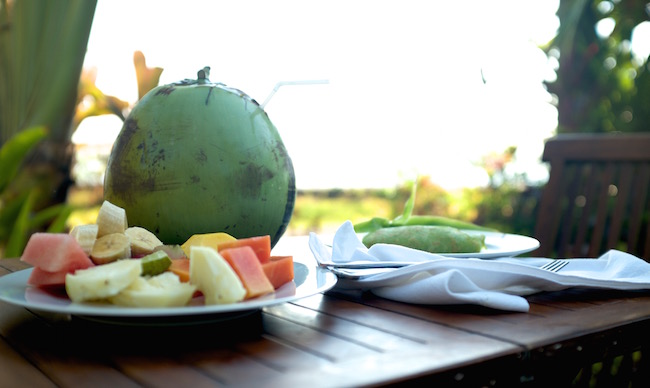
(412, 88)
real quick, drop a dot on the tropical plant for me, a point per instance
(42, 49)
(17, 215)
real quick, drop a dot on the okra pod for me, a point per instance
(443, 221)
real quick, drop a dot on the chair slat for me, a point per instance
(638, 203)
(591, 187)
(597, 197)
(620, 210)
(565, 229)
(601, 195)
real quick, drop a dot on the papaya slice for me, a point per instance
(247, 266)
(279, 270)
(261, 245)
(181, 267)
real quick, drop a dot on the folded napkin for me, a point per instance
(498, 283)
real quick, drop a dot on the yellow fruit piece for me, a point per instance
(143, 241)
(102, 281)
(110, 219)
(85, 236)
(110, 247)
(213, 276)
(164, 290)
(211, 240)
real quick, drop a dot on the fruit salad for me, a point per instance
(129, 266)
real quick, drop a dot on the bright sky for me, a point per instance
(405, 93)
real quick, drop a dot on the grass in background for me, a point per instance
(324, 212)
(507, 208)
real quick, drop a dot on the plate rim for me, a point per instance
(533, 244)
(318, 279)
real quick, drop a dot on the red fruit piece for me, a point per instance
(41, 278)
(54, 252)
(53, 255)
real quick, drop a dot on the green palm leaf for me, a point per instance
(14, 151)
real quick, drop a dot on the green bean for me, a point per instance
(407, 219)
(430, 238)
(444, 221)
(372, 225)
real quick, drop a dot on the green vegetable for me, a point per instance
(407, 218)
(444, 221)
(408, 206)
(372, 225)
(434, 239)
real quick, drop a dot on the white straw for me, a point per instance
(282, 83)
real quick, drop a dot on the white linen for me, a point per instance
(497, 283)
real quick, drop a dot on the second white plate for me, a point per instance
(500, 245)
(497, 244)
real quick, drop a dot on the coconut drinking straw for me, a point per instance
(282, 83)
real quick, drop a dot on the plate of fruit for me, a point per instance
(112, 272)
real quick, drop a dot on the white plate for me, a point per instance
(499, 244)
(308, 280)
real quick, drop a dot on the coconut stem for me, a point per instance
(203, 75)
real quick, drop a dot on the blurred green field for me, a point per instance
(509, 208)
(320, 213)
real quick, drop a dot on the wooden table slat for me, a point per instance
(13, 264)
(16, 371)
(341, 338)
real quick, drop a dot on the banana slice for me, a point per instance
(102, 281)
(111, 219)
(143, 241)
(85, 236)
(164, 290)
(111, 247)
(214, 277)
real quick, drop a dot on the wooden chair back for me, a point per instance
(597, 197)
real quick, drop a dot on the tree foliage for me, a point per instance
(601, 86)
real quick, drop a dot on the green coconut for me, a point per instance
(200, 157)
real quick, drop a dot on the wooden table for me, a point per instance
(333, 339)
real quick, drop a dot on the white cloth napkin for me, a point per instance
(496, 283)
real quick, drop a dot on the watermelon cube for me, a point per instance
(53, 255)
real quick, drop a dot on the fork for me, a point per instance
(555, 265)
(358, 273)
(353, 273)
